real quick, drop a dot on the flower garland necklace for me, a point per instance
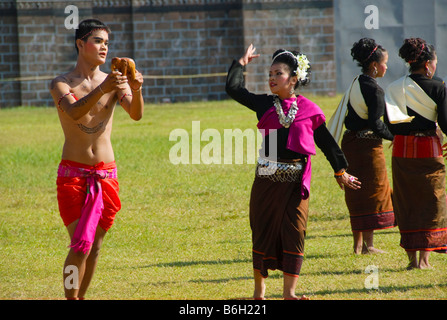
(284, 120)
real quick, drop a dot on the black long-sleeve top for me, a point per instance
(436, 90)
(374, 97)
(260, 103)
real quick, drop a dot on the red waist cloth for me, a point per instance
(416, 147)
(90, 194)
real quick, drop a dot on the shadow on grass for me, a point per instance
(193, 263)
(373, 292)
(378, 232)
(348, 272)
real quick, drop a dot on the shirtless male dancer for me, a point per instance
(85, 98)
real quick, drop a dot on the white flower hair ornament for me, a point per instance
(303, 66)
(302, 62)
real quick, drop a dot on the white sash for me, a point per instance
(355, 97)
(403, 93)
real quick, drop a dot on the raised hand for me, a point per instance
(136, 84)
(114, 81)
(249, 55)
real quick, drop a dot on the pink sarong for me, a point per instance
(91, 211)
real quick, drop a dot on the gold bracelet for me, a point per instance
(139, 89)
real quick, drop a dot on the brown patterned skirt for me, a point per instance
(371, 207)
(419, 193)
(278, 219)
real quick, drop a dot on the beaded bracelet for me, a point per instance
(340, 174)
(124, 95)
(60, 99)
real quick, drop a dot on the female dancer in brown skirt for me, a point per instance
(415, 104)
(370, 208)
(280, 192)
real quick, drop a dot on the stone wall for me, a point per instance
(182, 47)
(9, 58)
(306, 26)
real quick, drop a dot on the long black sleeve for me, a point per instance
(326, 142)
(235, 88)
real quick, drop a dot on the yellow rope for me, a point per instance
(204, 75)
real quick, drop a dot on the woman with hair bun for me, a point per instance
(416, 105)
(361, 110)
(280, 193)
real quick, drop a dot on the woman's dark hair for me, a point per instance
(416, 52)
(365, 51)
(292, 63)
(86, 27)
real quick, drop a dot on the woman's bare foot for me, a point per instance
(423, 260)
(259, 294)
(411, 266)
(259, 291)
(425, 266)
(294, 297)
(412, 257)
(357, 250)
(371, 250)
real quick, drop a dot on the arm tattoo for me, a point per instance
(92, 130)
